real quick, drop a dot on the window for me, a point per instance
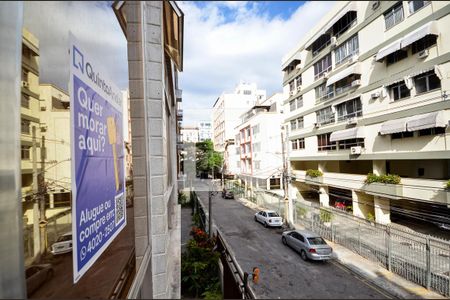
(347, 144)
(25, 126)
(247, 92)
(324, 92)
(427, 82)
(300, 122)
(301, 143)
(25, 101)
(349, 109)
(298, 81)
(423, 43)
(248, 132)
(255, 129)
(416, 5)
(432, 131)
(25, 152)
(237, 151)
(325, 116)
(344, 23)
(294, 145)
(349, 48)
(399, 91)
(404, 134)
(322, 66)
(292, 105)
(345, 84)
(320, 43)
(293, 124)
(394, 15)
(324, 143)
(396, 56)
(291, 86)
(300, 238)
(299, 102)
(24, 75)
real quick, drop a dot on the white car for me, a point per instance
(63, 244)
(269, 218)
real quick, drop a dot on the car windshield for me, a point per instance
(273, 214)
(64, 238)
(316, 241)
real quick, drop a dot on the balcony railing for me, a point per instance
(342, 89)
(317, 76)
(355, 114)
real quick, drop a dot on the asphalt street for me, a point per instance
(283, 273)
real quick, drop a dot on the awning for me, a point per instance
(294, 59)
(425, 121)
(353, 69)
(391, 48)
(347, 134)
(393, 126)
(422, 31)
(314, 38)
(350, 7)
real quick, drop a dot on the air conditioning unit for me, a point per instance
(423, 53)
(333, 41)
(355, 150)
(325, 75)
(351, 121)
(25, 83)
(356, 82)
(43, 108)
(291, 93)
(375, 4)
(375, 95)
(316, 125)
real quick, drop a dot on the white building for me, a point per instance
(368, 94)
(204, 131)
(227, 109)
(189, 134)
(258, 145)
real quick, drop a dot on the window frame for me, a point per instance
(392, 12)
(398, 86)
(427, 76)
(425, 3)
(357, 109)
(320, 115)
(348, 51)
(321, 64)
(327, 145)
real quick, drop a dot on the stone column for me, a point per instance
(324, 197)
(382, 208)
(362, 204)
(52, 200)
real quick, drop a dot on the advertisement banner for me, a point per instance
(97, 152)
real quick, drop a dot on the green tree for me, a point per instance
(208, 160)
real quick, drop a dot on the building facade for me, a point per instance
(227, 109)
(204, 131)
(368, 94)
(258, 145)
(189, 134)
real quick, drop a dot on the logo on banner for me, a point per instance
(78, 59)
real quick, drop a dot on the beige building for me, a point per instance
(368, 93)
(189, 134)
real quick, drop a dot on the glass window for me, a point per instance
(25, 101)
(316, 241)
(294, 145)
(349, 109)
(349, 48)
(423, 43)
(416, 5)
(300, 122)
(396, 56)
(324, 92)
(344, 23)
(432, 131)
(298, 81)
(394, 15)
(293, 124)
(25, 152)
(400, 135)
(247, 92)
(300, 102)
(399, 91)
(325, 116)
(273, 214)
(347, 144)
(324, 143)
(323, 41)
(322, 66)
(291, 86)
(25, 126)
(292, 105)
(426, 82)
(301, 143)
(300, 238)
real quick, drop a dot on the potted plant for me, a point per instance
(314, 176)
(384, 184)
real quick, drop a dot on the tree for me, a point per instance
(208, 160)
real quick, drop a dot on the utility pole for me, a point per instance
(41, 194)
(284, 177)
(36, 233)
(210, 211)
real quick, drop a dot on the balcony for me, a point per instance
(180, 114)
(178, 94)
(409, 188)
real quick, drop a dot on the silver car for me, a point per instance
(308, 244)
(269, 218)
(63, 244)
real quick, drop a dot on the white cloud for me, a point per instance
(242, 44)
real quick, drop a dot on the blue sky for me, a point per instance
(226, 42)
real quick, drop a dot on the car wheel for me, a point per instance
(303, 255)
(283, 239)
(265, 224)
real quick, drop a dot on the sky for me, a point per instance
(225, 42)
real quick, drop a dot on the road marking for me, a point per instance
(363, 280)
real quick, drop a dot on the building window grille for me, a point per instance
(396, 56)
(394, 15)
(399, 91)
(324, 143)
(347, 50)
(347, 144)
(25, 152)
(25, 126)
(427, 82)
(349, 109)
(25, 101)
(324, 92)
(325, 116)
(416, 5)
(322, 66)
(423, 43)
(432, 131)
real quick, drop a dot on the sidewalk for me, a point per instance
(373, 273)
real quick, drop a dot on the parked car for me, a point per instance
(269, 218)
(444, 226)
(227, 194)
(309, 244)
(63, 244)
(37, 275)
(340, 205)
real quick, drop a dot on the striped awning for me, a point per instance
(389, 49)
(422, 31)
(425, 121)
(353, 69)
(347, 134)
(393, 126)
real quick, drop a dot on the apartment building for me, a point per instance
(189, 134)
(227, 109)
(258, 145)
(368, 93)
(204, 131)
